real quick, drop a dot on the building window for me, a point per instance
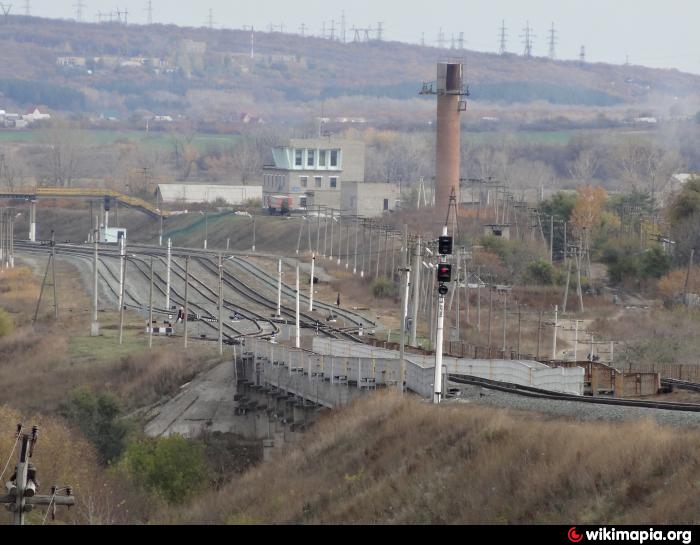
(335, 156)
(334, 183)
(304, 181)
(322, 158)
(302, 202)
(310, 158)
(319, 181)
(386, 204)
(298, 158)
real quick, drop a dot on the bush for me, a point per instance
(6, 323)
(97, 416)
(383, 288)
(171, 468)
(540, 272)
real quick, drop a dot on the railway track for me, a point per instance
(206, 260)
(526, 391)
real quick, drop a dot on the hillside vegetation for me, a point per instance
(388, 460)
(208, 74)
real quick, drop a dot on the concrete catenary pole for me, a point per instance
(187, 302)
(221, 305)
(404, 307)
(32, 221)
(121, 309)
(297, 335)
(437, 396)
(416, 293)
(279, 289)
(150, 310)
(167, 274)
(95, 328)
(122, 256)
(311, 288)
(449, 88)
(556, 326)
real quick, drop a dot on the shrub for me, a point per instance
(540, 272)
(171, 468)
(6, 323)
(383, 288)
(97, 416)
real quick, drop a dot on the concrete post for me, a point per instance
(95, 329)
(416, 293)
(298, 319)
(32, 221)
(167, 275)
(556, 326)
(122, 256)
(279, 289)
(311, 288)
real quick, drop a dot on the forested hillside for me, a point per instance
(118, 70)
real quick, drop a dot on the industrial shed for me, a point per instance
(183, 194)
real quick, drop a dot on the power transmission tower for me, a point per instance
(582, 55)
(27, 8)
(210, 19)
(553, 43)
(149, 11)
(302, 30)
(79, 6)
(332, 30)
(380, 31)
(6, 9)
(452, 41)
(23, 485)
(461, 41)
(343, 28)
(422, 39)
(441, 39)
(528, 36)
(502, 48)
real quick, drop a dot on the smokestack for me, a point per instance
(449, 107)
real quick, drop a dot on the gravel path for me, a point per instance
(571, 409)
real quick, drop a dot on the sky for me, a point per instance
(652, 33)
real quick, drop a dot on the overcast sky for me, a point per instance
(659, 33)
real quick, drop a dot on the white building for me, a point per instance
(208, 193)
(35, 114)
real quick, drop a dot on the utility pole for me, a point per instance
(478, 299)
(311, 289)
(551, 239)
(556, 326)
(490, 314)
(53, 276)
(150, 310)
(687, 278)
(539, 336)
(279, 289)
(95, 328)
(405, 272)
(505, 321)
(221, 306)
(167, 274)
(416, 292)
(23, 486)
(297, 336)
(187, 287)
(121, 309)
(122, 256)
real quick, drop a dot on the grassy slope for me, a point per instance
(386, 460)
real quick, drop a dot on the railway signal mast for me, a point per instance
(444, 277)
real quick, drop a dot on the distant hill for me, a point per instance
(118, 70)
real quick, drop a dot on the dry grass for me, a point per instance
(19, 290)
(100, 499)
(385, 460)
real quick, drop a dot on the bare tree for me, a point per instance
(585, 167)
(65, 146)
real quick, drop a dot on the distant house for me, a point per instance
(248, 119)
(163, 118)
(207, 193)
(34, 114)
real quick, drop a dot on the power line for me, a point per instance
(502, 50)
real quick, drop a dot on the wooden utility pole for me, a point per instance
(21, 497)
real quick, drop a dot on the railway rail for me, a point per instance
(527, 391)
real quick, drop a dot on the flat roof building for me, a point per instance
(207, 193)
(311, 172)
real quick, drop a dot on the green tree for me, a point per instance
(97, 416)
(540, 272)
(171, 468)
